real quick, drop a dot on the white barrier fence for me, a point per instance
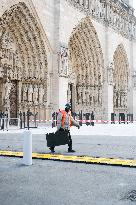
(9, 123)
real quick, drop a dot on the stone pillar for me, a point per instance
(107, 87)
(55, 58)
(55, 84)
(134, 95)
(7, 89)
(108, 93)
(110, 101)
(63, 75)
(49, 80)
(73, 98)
(110, 89)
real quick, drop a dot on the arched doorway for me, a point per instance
(120, 79)
(23, 61)
(87, 66)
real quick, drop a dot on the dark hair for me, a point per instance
(68, 105)
(67, 109)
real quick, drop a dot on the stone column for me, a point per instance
(134, 95)
(106, 88)
(63, 75)
(55, 84)
(55, 58)
(7, 89)
(110, 90)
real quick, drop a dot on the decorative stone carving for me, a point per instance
(79, 95)
(30, 93)
(41, 94)
(84, 95)
(115, 14)
(35, 95)
(134, 79)
(20, 92)
(42, 72)
(7, 88)
(63, 61)
(110, 73)
(88, 96)
(86, 61)
(22, 53)
(69, 93)
(25, 92)
(120, 78)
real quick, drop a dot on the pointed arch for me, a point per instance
(86, 61)
(120, 79)
(23, 60)
(19, 25)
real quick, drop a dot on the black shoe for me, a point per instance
(71, 150)
(52, 150)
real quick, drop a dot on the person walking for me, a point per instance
(64, 122)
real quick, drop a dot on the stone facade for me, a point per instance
(55, 51)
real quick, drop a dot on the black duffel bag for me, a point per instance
(60, 137)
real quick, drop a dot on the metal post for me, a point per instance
(20, 114)
(24, 118)
(28, 114)
(35, 119)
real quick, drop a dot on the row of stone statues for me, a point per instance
(30, 93)
(33, 93)
(109, 12)
(12, 62)
(89, 96)
(120, 100)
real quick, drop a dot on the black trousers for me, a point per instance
(69, 144)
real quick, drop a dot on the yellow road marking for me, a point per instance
(83, 159)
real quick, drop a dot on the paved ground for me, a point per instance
(97, 146)
(62, 183)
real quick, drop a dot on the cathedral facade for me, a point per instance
(58, 51)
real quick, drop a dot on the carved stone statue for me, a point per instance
(110, 74)
(25, 89)
(30, 93)
(36, 72)
(41, 71)
(8, 86)
(64, 60)
(30, 72)
(100, 96)
(35, 95)
(88, 96)
(41, 94)
(80, 95)
(84, 94)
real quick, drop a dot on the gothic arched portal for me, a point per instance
(120, 79)
(87, 64)
(23, 60)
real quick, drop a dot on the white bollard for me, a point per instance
(27, 147)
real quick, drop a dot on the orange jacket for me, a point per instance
(64, 113)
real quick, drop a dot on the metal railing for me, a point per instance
(9, 123)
